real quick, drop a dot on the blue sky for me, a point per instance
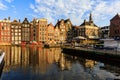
(76, 10)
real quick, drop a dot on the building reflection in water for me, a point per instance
(40, 58)
(66, 61)
(37, 60)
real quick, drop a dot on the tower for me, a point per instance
(90, 18)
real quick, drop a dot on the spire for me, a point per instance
(84, 20)
(90, 18)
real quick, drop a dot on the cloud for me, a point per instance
(9, 1)
(77, 10)
(105, 10)
(2, 6)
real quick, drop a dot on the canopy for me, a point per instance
(79, 37)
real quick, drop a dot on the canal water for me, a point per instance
(36, 63)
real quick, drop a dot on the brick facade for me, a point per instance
(5, 32)
(33, 30)
(115, 27)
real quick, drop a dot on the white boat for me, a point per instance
(2, 55)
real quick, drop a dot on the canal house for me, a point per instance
(5, 32)
(33, 31)
(50, 34)
(25, 26)
(41, 30)
(16, 32)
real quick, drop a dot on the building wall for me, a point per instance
(75, 31)
(25, 31)
(62, 31)
(5, 32)
(88, 29)
(68, 26)
(50, 34)
(33, 30)
(91, 31)
(42, 25)
(15, 33)
(57, 35)
(104, 32)
(115, 26)
(65, 28)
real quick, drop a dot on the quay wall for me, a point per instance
(99, 55)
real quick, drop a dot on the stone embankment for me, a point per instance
(112, 56)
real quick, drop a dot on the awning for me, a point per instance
(93, 37)
(79, 37)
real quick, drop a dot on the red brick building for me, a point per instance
(5, 32)
(33, 30)
(115, 26)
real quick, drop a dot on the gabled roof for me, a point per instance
(88, 23)
(58, 23)
(85, 23)
(15, 22)
(68, 20)
(25, 21)
(50, 24)
(62, 20)
(75, 27)
(115, 17)
(34, 21)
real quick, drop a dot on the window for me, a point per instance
(116, 31)
(34, 30)
(2, 27)
(2, 24)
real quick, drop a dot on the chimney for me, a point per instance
(8, 18)
(84, 20)
(19, 20)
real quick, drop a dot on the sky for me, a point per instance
(76, 10)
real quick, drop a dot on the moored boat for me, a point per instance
(2, 55)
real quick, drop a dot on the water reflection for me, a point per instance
(35, 63)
